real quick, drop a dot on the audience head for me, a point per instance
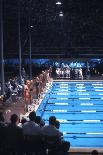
(94, 152)
(57, 124)
(1, 117)
(52, 120)
(39, 121)
(14, 118)
(32, 116)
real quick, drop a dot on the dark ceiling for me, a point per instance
(78, 33)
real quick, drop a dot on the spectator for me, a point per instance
(94, 152)
(65, 144)
(39, 121)
(14, 135)
(57, 124)
(30, 127)
(51, 130)
(32, 136)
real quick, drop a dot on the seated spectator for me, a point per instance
(57, 143)
(51, 130)
(32, 136)
(39, 121)
(57, 124)
(30, 127)
(14, 135)
(94, 152)
(65, 144)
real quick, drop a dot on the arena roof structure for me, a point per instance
(59, 28)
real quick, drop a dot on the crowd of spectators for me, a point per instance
(28, 89)
(31, 135)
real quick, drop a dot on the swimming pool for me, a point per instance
(79, 108)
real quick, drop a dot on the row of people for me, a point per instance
(19, 139)
(14, 138)
(33, 88)
(69, 73)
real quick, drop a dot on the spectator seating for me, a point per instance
(51, 143)
(34, 144)
(56, 146)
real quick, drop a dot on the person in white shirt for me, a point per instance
(51, 130)
(30, 127)
(58, 72)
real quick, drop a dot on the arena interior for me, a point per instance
(51, 77)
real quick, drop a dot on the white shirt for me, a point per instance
(51, 130)
(31, 128)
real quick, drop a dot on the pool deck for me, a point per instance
(67, 80)
(85, 150)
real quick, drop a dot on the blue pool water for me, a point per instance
(79, 108)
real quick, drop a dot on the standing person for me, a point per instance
(41, 82)
(80, 72)
(31, 93)
(47, 76)
(37, 86)
(44, 79)
(88, 74)
(50, 71)
(26, 92)
(58, 72)
(23, 72)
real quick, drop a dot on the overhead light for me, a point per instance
(58, 3)
(61, 14)
(32, 26)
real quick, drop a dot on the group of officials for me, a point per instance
(69, 73)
